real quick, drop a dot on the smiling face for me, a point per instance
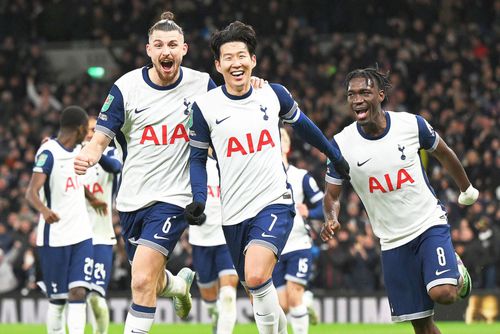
(364, 99)
(166, 50)
(91, 128)
(236, 64)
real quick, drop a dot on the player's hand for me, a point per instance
(50, 216)
(328, 229)
(99, 206)
(194, 213)
(342, 167)
(257, 82)
(82, 163)
(469, 196)
(303, 210)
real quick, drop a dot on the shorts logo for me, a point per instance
(107, 103)
(301, 275)
(438, 273)
(159, 237)
(265, 235)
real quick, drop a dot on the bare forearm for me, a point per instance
(331, 207)
(448, 159)
(34, 200)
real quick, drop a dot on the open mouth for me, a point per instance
(362, 113)
(237, 74)
(167, 65)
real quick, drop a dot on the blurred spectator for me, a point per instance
(8, 280)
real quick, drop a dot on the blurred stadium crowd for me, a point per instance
(444, 60)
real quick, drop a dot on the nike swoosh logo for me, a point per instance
(139, 111)
(441, 272)
(156, 236)
(265, 235)
(364, 162)
(222, 120)
(138, 331)
(301, 275)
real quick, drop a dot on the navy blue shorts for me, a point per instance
(65, 267)
(294, 266)
(411, 270)
(269, 228)
(211, 262)
(103, 264)
(158, 226)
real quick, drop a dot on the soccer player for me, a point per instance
(101, 180)
(241, 125)
(146, 112)
(64, 233)
(217, 278)
(419, 263)
(292, 272)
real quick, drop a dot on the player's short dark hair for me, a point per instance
(73, 117)
(166, 23)
(381, 79)
(234, 32)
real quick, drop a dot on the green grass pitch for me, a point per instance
(405, 328)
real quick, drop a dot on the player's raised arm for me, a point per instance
(449, 160)
(91, 153)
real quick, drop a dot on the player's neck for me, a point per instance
(238, 90)
(155, 78)
(67, 140)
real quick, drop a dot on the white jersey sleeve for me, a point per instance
(148, 123)
(63, 193)
(210, 233)
(387, 174)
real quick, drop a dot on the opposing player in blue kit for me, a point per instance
(64, 236)
(242, 126)
(382, 147)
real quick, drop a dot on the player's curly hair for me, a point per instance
(234, 32)
(373, 73)
(166, 23)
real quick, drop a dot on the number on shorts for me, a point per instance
(99, 271)
(89, 265)
(303, 265)
(441, 256)
(274, 221)
(167, 225)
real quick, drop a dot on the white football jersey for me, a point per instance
(210, 233)
(63, 192)
(303, 186)
(148, 123)
(244, 132)
(387, 174)
(100, 183)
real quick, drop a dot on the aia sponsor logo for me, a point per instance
(249, 144)
(159, 135)
(388, 184)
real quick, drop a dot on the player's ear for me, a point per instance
(217, 66)
(254, 61)
(381, 96)
(148, 48)
(185, 48)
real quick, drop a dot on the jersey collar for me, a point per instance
(236, 97)
(382, 135)
(147, 79)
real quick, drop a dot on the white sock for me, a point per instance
(101, 313)
(266, 307)
(55, 319)
(175, 286)
(139, 319)
(299, 319)
(77, 316)
(282, 323)
(308, 298)
(227, 310)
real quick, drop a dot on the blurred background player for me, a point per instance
(64, 233)
(241, 125)
(146, 112)
(293, 270)
(382, 147)
(101, 180)
(217, 278)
